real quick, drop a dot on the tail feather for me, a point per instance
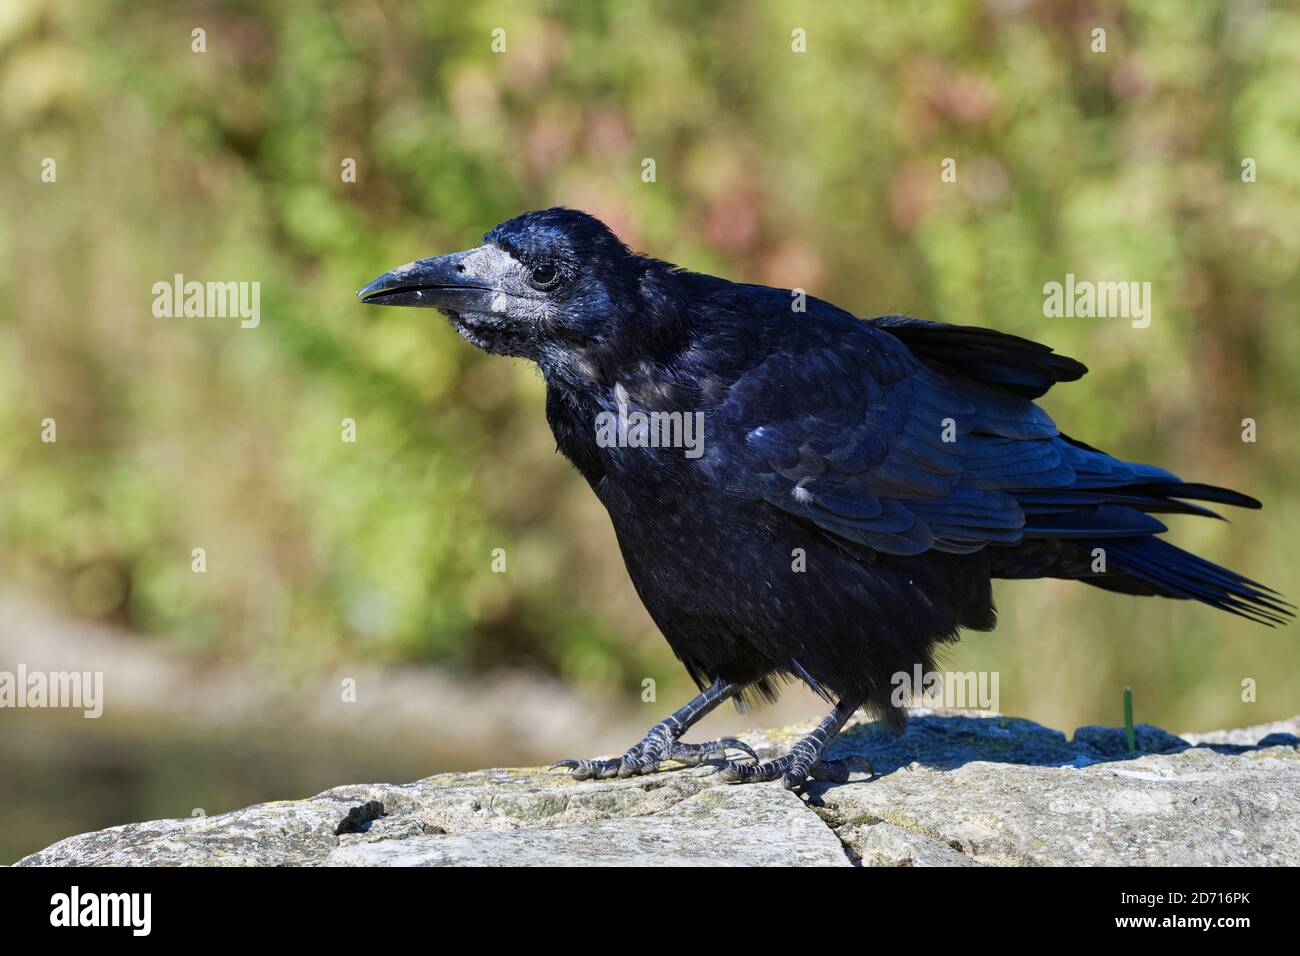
(1196, 491)
(1152, 497)
(1181, 574)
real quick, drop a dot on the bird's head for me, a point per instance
(543, 282)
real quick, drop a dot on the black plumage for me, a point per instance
(902, 463)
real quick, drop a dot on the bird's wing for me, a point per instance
(1004, 361)
(852, 432)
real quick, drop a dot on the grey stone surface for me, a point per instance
(885, 844)
(720, 826)
(958, 789)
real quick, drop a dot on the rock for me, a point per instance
(719, 826)
(885, 844)
(1248, 736)
(957, 789)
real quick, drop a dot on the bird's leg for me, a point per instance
(803, 760)
(661, 742)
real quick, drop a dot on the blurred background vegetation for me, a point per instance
(817, 169)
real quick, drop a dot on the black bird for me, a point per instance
(902, 463)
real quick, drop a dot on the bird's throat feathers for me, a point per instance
(634, 353)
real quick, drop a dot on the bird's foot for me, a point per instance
(658, 745)
(793, 770)
(804, 760)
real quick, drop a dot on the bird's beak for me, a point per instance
(443, 282)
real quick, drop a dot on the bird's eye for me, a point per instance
(543, 277)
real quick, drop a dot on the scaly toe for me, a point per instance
(732, 771)
(692, 755)
(590, 769)
(635, 766)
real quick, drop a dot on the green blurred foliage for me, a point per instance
(818, 170)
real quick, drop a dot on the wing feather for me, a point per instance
(876, 446)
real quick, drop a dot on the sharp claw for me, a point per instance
(871, 770)
(580, 769)
(740, 745)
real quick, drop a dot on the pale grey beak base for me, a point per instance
(441, 282)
